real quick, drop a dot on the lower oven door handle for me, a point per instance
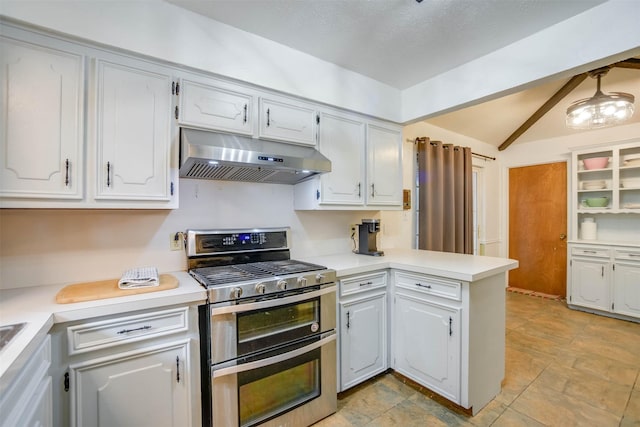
(272, 302)
(216, 373)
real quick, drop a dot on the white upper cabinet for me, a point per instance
(41, 117)
(215, 105)
(77, 139)
(133, 131)
(384, 166)
(288, 120)
(366, 166)
(342, 140)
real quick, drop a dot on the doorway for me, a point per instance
(538, 227)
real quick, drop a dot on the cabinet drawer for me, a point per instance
(430, 285)
(108, 333)
(590, 251)
(362, 283)
(627, 254)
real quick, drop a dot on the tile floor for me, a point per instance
(563, 368)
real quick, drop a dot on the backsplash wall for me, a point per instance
(46, 246)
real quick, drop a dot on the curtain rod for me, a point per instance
(424, 138)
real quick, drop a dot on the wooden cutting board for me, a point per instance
(103, 289)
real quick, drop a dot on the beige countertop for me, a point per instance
(468, 268)
(36, 306)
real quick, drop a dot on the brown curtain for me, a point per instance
(445, 197)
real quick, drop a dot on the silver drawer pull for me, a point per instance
(366, 283)
(635, 255)
(126, 331)
(423, 286)
(589, 252)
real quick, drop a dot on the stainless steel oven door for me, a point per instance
(292, 386)
(242, 329)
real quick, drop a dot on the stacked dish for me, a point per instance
(594, 185)
(630, 183)
(632, 160)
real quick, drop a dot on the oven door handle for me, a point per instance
(221, 372)
(239, 308)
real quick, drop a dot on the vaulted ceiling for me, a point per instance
(404, 42)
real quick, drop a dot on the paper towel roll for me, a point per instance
(589, 230)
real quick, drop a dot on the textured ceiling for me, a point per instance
(402, 43)
(398, 42)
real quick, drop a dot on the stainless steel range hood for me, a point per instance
(218, 156)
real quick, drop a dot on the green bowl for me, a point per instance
(596, 202)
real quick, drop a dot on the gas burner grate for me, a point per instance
(221, 275)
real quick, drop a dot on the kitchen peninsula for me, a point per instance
(446, 323)
(463, 291)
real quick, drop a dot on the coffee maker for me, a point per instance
(367, 232)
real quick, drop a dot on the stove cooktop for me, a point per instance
(240, 264)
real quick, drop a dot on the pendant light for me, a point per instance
(602, 109)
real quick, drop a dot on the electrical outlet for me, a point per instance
(353, 228)
(176, 241)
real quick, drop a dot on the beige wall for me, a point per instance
(46, 246)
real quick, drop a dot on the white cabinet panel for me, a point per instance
(144, 388)
(427, 344)
(288, 120)
(590, 283)
(626, 292)
(27, 400)
(41, 117)
(214, 107)
(384, 166)
(363, 336)
(342, 141)
(133, 132)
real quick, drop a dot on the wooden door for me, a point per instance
(538, 227)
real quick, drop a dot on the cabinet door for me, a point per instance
(213, 107)
(626, 289)
(427, 344)
(284, 121)
(363, 345)
(384, 166)
(590, 283)
(342, 141)
(41, 121)
(143, 389)
(133, 132)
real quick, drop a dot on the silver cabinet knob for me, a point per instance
(282, 285)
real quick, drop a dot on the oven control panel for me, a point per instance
(210, 242)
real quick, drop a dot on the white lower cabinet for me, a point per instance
(27, 400)
(146, 388)
(135, 369)
(427, 343)
(605, 280)
(363, 328)
(590, 283)
(363, 348)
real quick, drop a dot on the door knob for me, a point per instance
(563, 236)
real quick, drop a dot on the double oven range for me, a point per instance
(267, 331)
